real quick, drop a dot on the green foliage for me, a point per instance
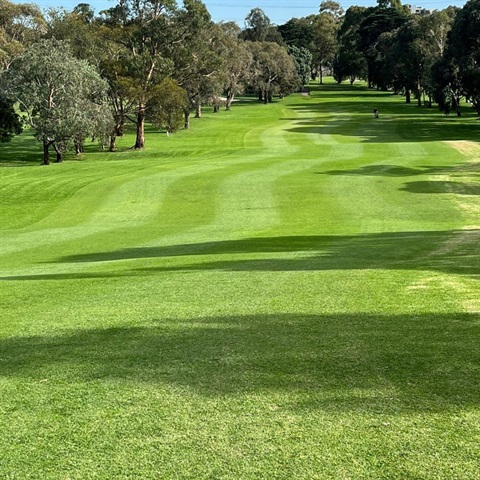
(21, 24)
(298, 32)
(303, 61)
(272, 70)
(167, 104)
(378, 21)
(464, 49)
(60, 95)
(10, 122)
(257, 26)
(325, 29)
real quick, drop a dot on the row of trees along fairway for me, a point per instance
(77, 74)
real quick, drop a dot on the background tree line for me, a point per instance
(76, 74)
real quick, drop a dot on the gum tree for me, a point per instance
(62, 97)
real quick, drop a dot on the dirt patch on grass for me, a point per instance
(466, 147)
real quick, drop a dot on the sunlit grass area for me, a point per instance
(283, 291)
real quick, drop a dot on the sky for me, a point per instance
(279, 11)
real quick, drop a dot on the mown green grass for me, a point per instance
(284, 291)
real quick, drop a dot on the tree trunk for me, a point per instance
(260, 95)
(79, 148)
(320, 70)
(140, 139)
(456, 99)
(198, 108)
(186, 115)
(407, 96)
(229, 100)
(112, 143)
(59, 153)
(46, 153)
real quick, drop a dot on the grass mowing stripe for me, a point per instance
(285, 291)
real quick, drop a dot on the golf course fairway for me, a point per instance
(284, 291)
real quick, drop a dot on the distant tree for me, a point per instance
(303, 61)
(257, 26)
(463, 51)
(198, 63)
(10, 122)
(145, 33)
(60, 95)
(350, 62)
(85, 12)
(273, 70)
(325, 30)
(78, 29)
(298, 32)
(376, 22)
(332, 8)
(237, 60)
(167, 105)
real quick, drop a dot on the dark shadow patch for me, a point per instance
(457, 188)
(422, 250)
(425, 362)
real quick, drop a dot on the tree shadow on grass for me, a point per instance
(383, 363)
(393, 129)
(386, 170)
(458, 188)
(450, 251)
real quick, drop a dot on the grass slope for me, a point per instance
(285, 291)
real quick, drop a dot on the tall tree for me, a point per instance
(147, 32)
(273, 70)
(303, 60)
(325, 34)
(237, 60)
(20, 25)
(257, 25)
(376, 22)
(198, 61)
(167, 105)
(350, 62)
(298, 32)
(463, 50)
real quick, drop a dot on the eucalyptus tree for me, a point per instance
(61, 96)
(21, 24)
(463, 50)
(421, 41)
(146, 33)
(299, 32)
(197, 57)
(257, 26)
(78, 28)
(325, 30)
(237, 60)
(167, 105)
(376, 22)
(272, 71)
(350, 62)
